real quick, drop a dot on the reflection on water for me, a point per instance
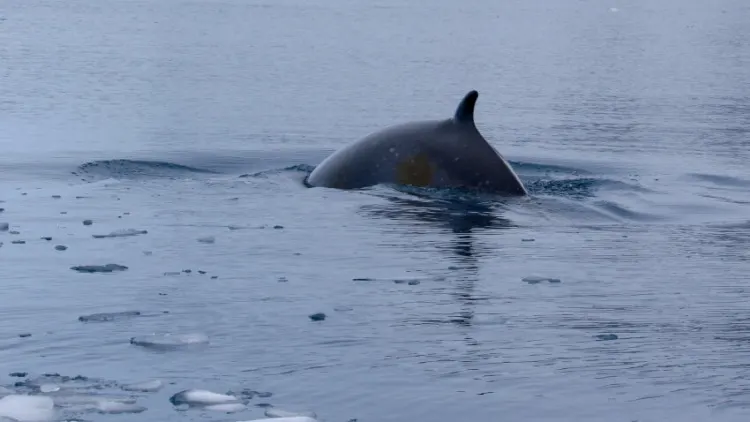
(458, 216)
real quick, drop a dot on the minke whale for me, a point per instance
(445, 153)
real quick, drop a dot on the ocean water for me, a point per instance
(618, 291)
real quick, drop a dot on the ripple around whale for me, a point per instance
(555, 182)
(541, 179)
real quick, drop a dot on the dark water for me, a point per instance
(629, 121)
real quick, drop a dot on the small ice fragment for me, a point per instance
(527, 239)
(4, 227)
(144, 387)
(114, 407)
(49, 388)
(288, 419)
(107, 268)
(87, 222)
(169, 341)
(148, 253)
(18, 374)
(320, 316)
(26, 408)
(277, 227)
(24, 335)
(263, 394)
(413, 282)
(108, 316)
(533, 279)
(61, 247)
(89, 401)
(207, 239)
(226, 407)
(614, 9)
(536, 280)
(56, 196)
(120, 233)
(279, 413)
(194, 397)
(47, 238)
(343, 308)
(606, 337)
(18, 242)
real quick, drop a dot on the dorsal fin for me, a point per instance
(465, 111)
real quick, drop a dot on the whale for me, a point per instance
(440, 153)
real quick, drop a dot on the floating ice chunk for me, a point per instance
(25, 408)
(535, 280)
(319, 316)
(227, 407)
(144, 387)
(202, 398)
(4, 227)
(286, 419)
(117, 407)
(120, 233)
(108, 316)
(88, 401)
(207, 239)
(279, 413)
(49, 388)
(170, 341)
(606, 337)
(107, 268)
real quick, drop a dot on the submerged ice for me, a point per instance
(170, 341)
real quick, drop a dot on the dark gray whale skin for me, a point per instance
(447, 153)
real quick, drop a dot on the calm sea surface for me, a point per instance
(619, 291)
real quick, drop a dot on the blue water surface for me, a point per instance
(617, 291)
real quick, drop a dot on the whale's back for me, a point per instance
(436, 153)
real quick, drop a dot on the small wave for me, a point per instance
(579, 187)
(531, 169)
(131, 169)
(721, 180)
(301, 168)
(622, 212)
